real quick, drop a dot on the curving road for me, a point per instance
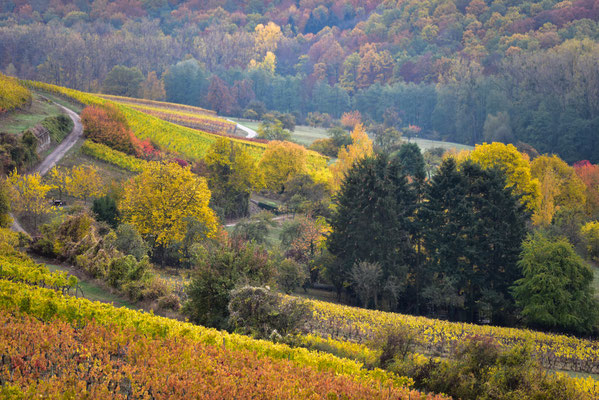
(250, 132)
(64, 146)
(54, 157)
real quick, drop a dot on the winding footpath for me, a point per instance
(250, 132)
(54, 157)
(64, 146)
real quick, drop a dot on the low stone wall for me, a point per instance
(43, 138)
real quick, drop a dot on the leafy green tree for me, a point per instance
(105, 209)
(556, 290)
(232, 176)
(473, 230)
(185, 82)
(130, 242)
(372, 219)
(255, 229)
(291, 275)
(273, 130)
(123, 81)
(219, 268)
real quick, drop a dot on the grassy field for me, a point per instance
(426, 144)
(17, 122)
(306, 135)
(93, 291)
(108, 172)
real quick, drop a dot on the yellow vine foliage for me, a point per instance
(12, 94)
(159, 201)
(360, 148)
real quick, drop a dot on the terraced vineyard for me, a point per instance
(135, 354)
(189, 116)
(438, 337)
(12, 94)
(191, 143)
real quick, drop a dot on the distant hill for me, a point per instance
(463, 71)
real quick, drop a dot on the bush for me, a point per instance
(395, 343)
(106, 210)
(169, 302)
(219, 269)
(265, 314)
(291, 275)
(130, 242)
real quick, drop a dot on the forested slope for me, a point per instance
(465, 71)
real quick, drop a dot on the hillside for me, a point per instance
(222, 362)
(315, 199)
(462, 71)
(189, 142)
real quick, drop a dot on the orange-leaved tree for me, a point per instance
(360, 148)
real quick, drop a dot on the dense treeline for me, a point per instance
(466, 71)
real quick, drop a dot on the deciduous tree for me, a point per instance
(282, 161)
(515, 166)
(85, 182)
(28, 195)
(360, 148)
(160, 201)
(556, 290)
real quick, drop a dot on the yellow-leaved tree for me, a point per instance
(560, 187)
(161, 201)
(282, 161)
(84, 182)
(28, 196)
(360, 148)
(267, 37)
(60, 180)
(233, 175)
(515, 166)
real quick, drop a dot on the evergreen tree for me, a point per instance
(372, 219)
(473, 230)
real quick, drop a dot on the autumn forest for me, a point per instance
(299, 199)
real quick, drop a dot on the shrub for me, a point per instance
(105, 209)
(219, 269)
(169, 302)
(130, 242)
(291, 275)
(263, 313)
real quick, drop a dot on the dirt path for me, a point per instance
(250, 132)
(54, 157)
(64, 146)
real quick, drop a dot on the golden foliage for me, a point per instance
(84, 182)
(516, 167)
(281, 161)
(560, 187)
(160, 200)
(360, 148)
